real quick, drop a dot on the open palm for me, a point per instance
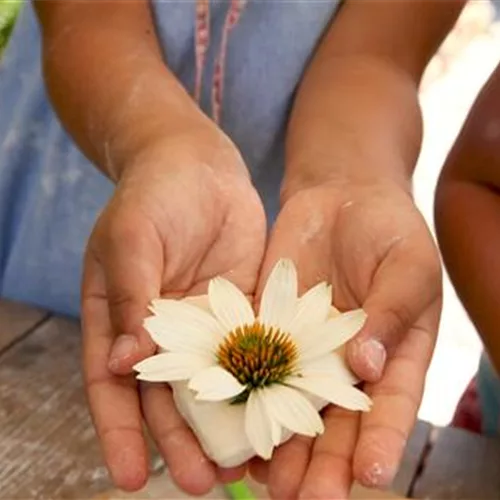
(372, 244)
(175, 221)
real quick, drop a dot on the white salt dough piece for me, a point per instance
(219, 427)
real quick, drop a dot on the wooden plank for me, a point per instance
(412, 458)
(460, 465)
(47, 445)
(16, 320)
(162, 487)
(361, 493)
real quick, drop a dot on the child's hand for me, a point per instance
(372, 244)
(183, 212)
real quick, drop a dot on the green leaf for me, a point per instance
(9, 10)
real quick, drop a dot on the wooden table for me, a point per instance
(48, 449)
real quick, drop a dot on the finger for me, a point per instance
(330, 470)
(130, 252)
(396, 397)
(114, 403)
(288, 466)
(259, 470)
(231, 475)
(403, 287)
(188, 465)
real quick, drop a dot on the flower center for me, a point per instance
(257, 356)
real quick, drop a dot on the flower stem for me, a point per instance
(239, 491)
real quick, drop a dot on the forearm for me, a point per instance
(356, 115)
(354, 119)
(467, 213)
(468, 225)
(107, 80)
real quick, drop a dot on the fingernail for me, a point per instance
(374, 355)
(378, 476)
(124, 347)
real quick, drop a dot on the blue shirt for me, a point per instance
(50, 196)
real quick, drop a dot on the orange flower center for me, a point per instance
(257, 356)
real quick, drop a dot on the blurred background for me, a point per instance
(8, 12)
(451, 83)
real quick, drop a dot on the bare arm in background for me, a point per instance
(468, 215)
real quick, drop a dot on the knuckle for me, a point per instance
(382, 439)
(396, 395)
(124, 308)
(398, 318)
(120, 299)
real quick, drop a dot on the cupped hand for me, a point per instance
(373, 245)
(184, 211)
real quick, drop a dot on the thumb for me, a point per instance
(402, 288)
(130, 253)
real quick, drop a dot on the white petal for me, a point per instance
(173, 337)
(292, 410)
(330, 365)
(258, 425)
(215, 384)
(229, 304)
(331, 335)
(313, 309)
(337, 393)
(182, 327)
(279, 299)
(200, 301)
(170, 366)
(275, 432)
(333, 312)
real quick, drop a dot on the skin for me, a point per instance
(347, 216)
(467, 213)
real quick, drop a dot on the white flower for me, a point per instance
(277, 365)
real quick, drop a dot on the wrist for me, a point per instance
(342, 176)
(364, 128)
(153, 130)
(205, 149)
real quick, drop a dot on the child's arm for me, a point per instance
(357, 115)
(108, 81)
(127, 112)
(467, 215)
(348, 217)
(356, 123)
